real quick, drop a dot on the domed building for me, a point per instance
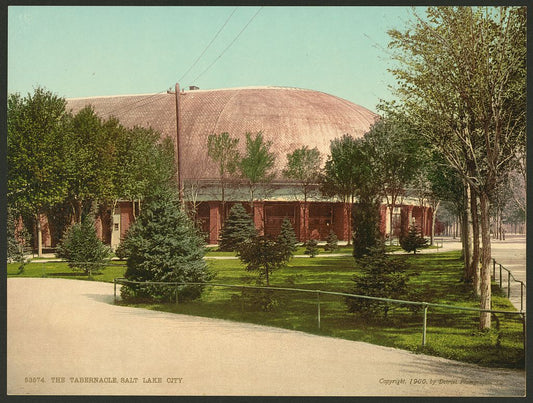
(288, 117)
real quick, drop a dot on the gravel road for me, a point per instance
(67, 337)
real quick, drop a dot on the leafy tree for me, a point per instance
(88, 161)
(413, 240)
(394, 156)
(144, 164)
(332, 242)
(311, 247)
(341, 176)
(303, 166)
(287, 237)
(346, 169)
(381, 276)
(164, 246)
(263, 255)
(462, 79)
(238, 228)
(82, 248)
(35, 148)
(222, 149)
(256, 164)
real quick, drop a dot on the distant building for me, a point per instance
(289, 117)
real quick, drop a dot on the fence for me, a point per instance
(509, 277)
(318, 293)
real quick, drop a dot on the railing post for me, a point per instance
(318, 307)
(425, 325)
(494, 269)
(176, 294)
(524, 330)
(508, 284)
(115, 290)
(500, 275)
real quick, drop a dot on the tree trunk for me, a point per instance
(475, 241)
(466, 241)
(391, 213)
(77, 210)
(485, 317)
(39, 236)
(223, 191)
(350, 229)
(422, 220)
(433, 220)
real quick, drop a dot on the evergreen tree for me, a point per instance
(311, 248)
(413, 240)
(164, 246)
(82, 248)
(263, 255)
(287, 237)
(365, 221)
(238, 228)
(331, 242)
(381, 276)
(16, 239)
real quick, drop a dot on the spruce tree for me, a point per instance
(263, 255)
(82, 248)
(331, 242)
(16, 240)
(287, 237)
(164, 246)
(311, 248)
(238, 228)
(413, 240)
(365, 222)
(380, 275)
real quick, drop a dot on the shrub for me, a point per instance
(238, 228)
(332, 242)
(381, 276)
(311, 247)
(413, 240)
(258, 299)
(164, 246)
(82, 248)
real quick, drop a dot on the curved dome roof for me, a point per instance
(289, 117)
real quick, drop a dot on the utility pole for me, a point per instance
(178, 155)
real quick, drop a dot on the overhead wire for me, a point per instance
(227, 47)
(137, 103)
(127, 106)
(210, 43)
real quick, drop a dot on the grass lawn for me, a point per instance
(436, 276)
(62, 270)
(450, 333)
(343, 249)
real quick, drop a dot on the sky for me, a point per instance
(96, 51)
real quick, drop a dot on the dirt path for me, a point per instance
(67, 337)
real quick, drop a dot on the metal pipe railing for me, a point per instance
(509, 277)
(425, 305)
